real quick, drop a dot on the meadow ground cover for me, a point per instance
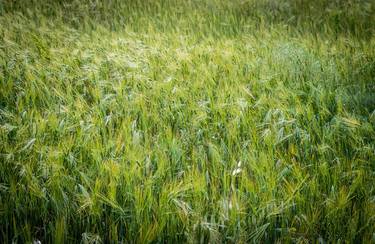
(199, 121)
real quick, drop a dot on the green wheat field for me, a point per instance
(187, 121)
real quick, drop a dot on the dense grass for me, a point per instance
(187, 121)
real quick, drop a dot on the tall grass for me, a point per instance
(187, 121)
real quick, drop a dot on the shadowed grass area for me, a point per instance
(187, 121)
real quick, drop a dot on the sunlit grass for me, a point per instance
(187, 121)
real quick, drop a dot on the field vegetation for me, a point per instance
(197, 121)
